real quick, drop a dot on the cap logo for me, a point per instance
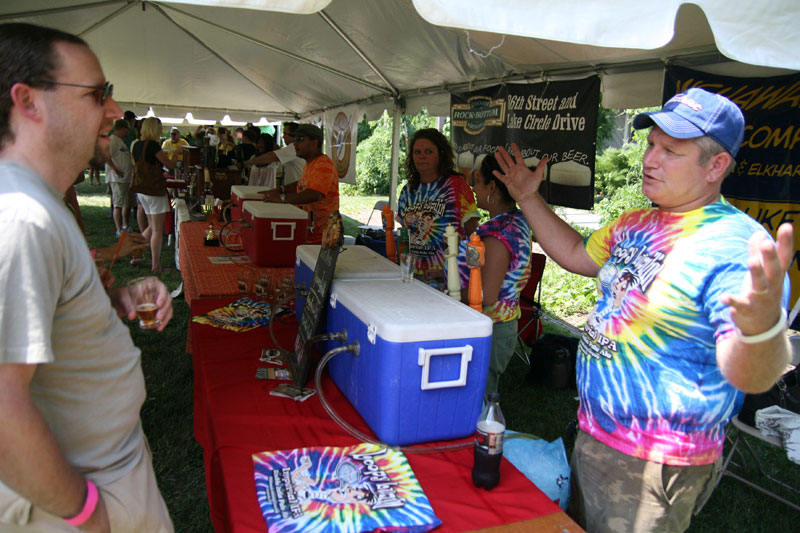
(687, 101)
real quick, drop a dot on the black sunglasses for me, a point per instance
(101, 92)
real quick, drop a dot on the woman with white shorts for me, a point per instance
(150, 185)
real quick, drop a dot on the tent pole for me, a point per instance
(397, 119)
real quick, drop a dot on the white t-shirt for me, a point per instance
(55, 313)
(121, 157)
(292, 165)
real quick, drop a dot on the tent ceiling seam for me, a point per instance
(346, 38)
(56, 10)
(284, 52)
(106, 19)
(213, 52)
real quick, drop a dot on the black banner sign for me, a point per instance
(766, 181)
(319, 291)
(556, 119)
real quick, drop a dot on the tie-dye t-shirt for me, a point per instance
(514, 232)
(428, 210)
(648, 379)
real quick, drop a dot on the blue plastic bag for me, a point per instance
(544, 463)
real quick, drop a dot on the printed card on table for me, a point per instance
(242, 315)
(358, 488)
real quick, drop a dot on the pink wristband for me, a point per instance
(88, 506)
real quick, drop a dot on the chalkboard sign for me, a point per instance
(316, 302)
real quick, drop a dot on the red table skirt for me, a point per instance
(235, 417)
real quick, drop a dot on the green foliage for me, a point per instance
(626, 197)
(373, 159)
(565, 293)
(617, 167)
(374, 155)
(605, 124)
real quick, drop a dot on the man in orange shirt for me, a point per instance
(317, 191)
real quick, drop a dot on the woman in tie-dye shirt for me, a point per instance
(434, 197)
(507, 241)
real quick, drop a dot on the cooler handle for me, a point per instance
(276, 225)
(424, 360)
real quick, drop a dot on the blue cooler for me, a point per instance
(353, 262)
(423, 362)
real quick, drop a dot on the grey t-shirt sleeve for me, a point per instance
(30, 285)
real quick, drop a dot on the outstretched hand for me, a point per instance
(521, 181)
(132, 242)
(754, 309)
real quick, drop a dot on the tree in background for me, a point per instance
(373, 158)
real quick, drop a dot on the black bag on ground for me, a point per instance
(374, 239)
(553, 361)
(785, 393)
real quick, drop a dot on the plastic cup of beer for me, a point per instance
(143, 292)
(263, 288)
(407, 266)
(244, 281)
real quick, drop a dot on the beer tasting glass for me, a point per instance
(143, 292)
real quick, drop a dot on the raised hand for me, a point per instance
(521, 181)
(754, 309)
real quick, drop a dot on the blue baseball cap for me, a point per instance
(696, 113)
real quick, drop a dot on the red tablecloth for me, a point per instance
(204, 279)
(236, 417)
(210, 282)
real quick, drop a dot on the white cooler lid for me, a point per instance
(354, 262)
(269, 210)
(248, 192)
(409, 312)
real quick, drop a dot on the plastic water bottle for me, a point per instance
(489, 444)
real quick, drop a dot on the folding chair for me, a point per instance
(529, 327)
(379, 205)
(737, 434)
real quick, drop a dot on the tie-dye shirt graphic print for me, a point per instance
(514, 232)
(648, 381)
(428, 210)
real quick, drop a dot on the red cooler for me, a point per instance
(272, 232)
(241, 194)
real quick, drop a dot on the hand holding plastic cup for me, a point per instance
(143, 292)
(408, 263)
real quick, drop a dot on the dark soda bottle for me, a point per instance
(489, 444)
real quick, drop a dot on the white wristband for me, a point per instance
(779, 327)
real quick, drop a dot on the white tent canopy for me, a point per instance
(278, 59)
(294, 58)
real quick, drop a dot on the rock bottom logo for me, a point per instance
(479, 112)
(342, 143)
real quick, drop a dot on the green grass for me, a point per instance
(178, 459)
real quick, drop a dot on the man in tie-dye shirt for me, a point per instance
(690, 314)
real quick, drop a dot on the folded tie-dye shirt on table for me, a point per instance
(648, 379)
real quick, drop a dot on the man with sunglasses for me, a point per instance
(72, 450)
